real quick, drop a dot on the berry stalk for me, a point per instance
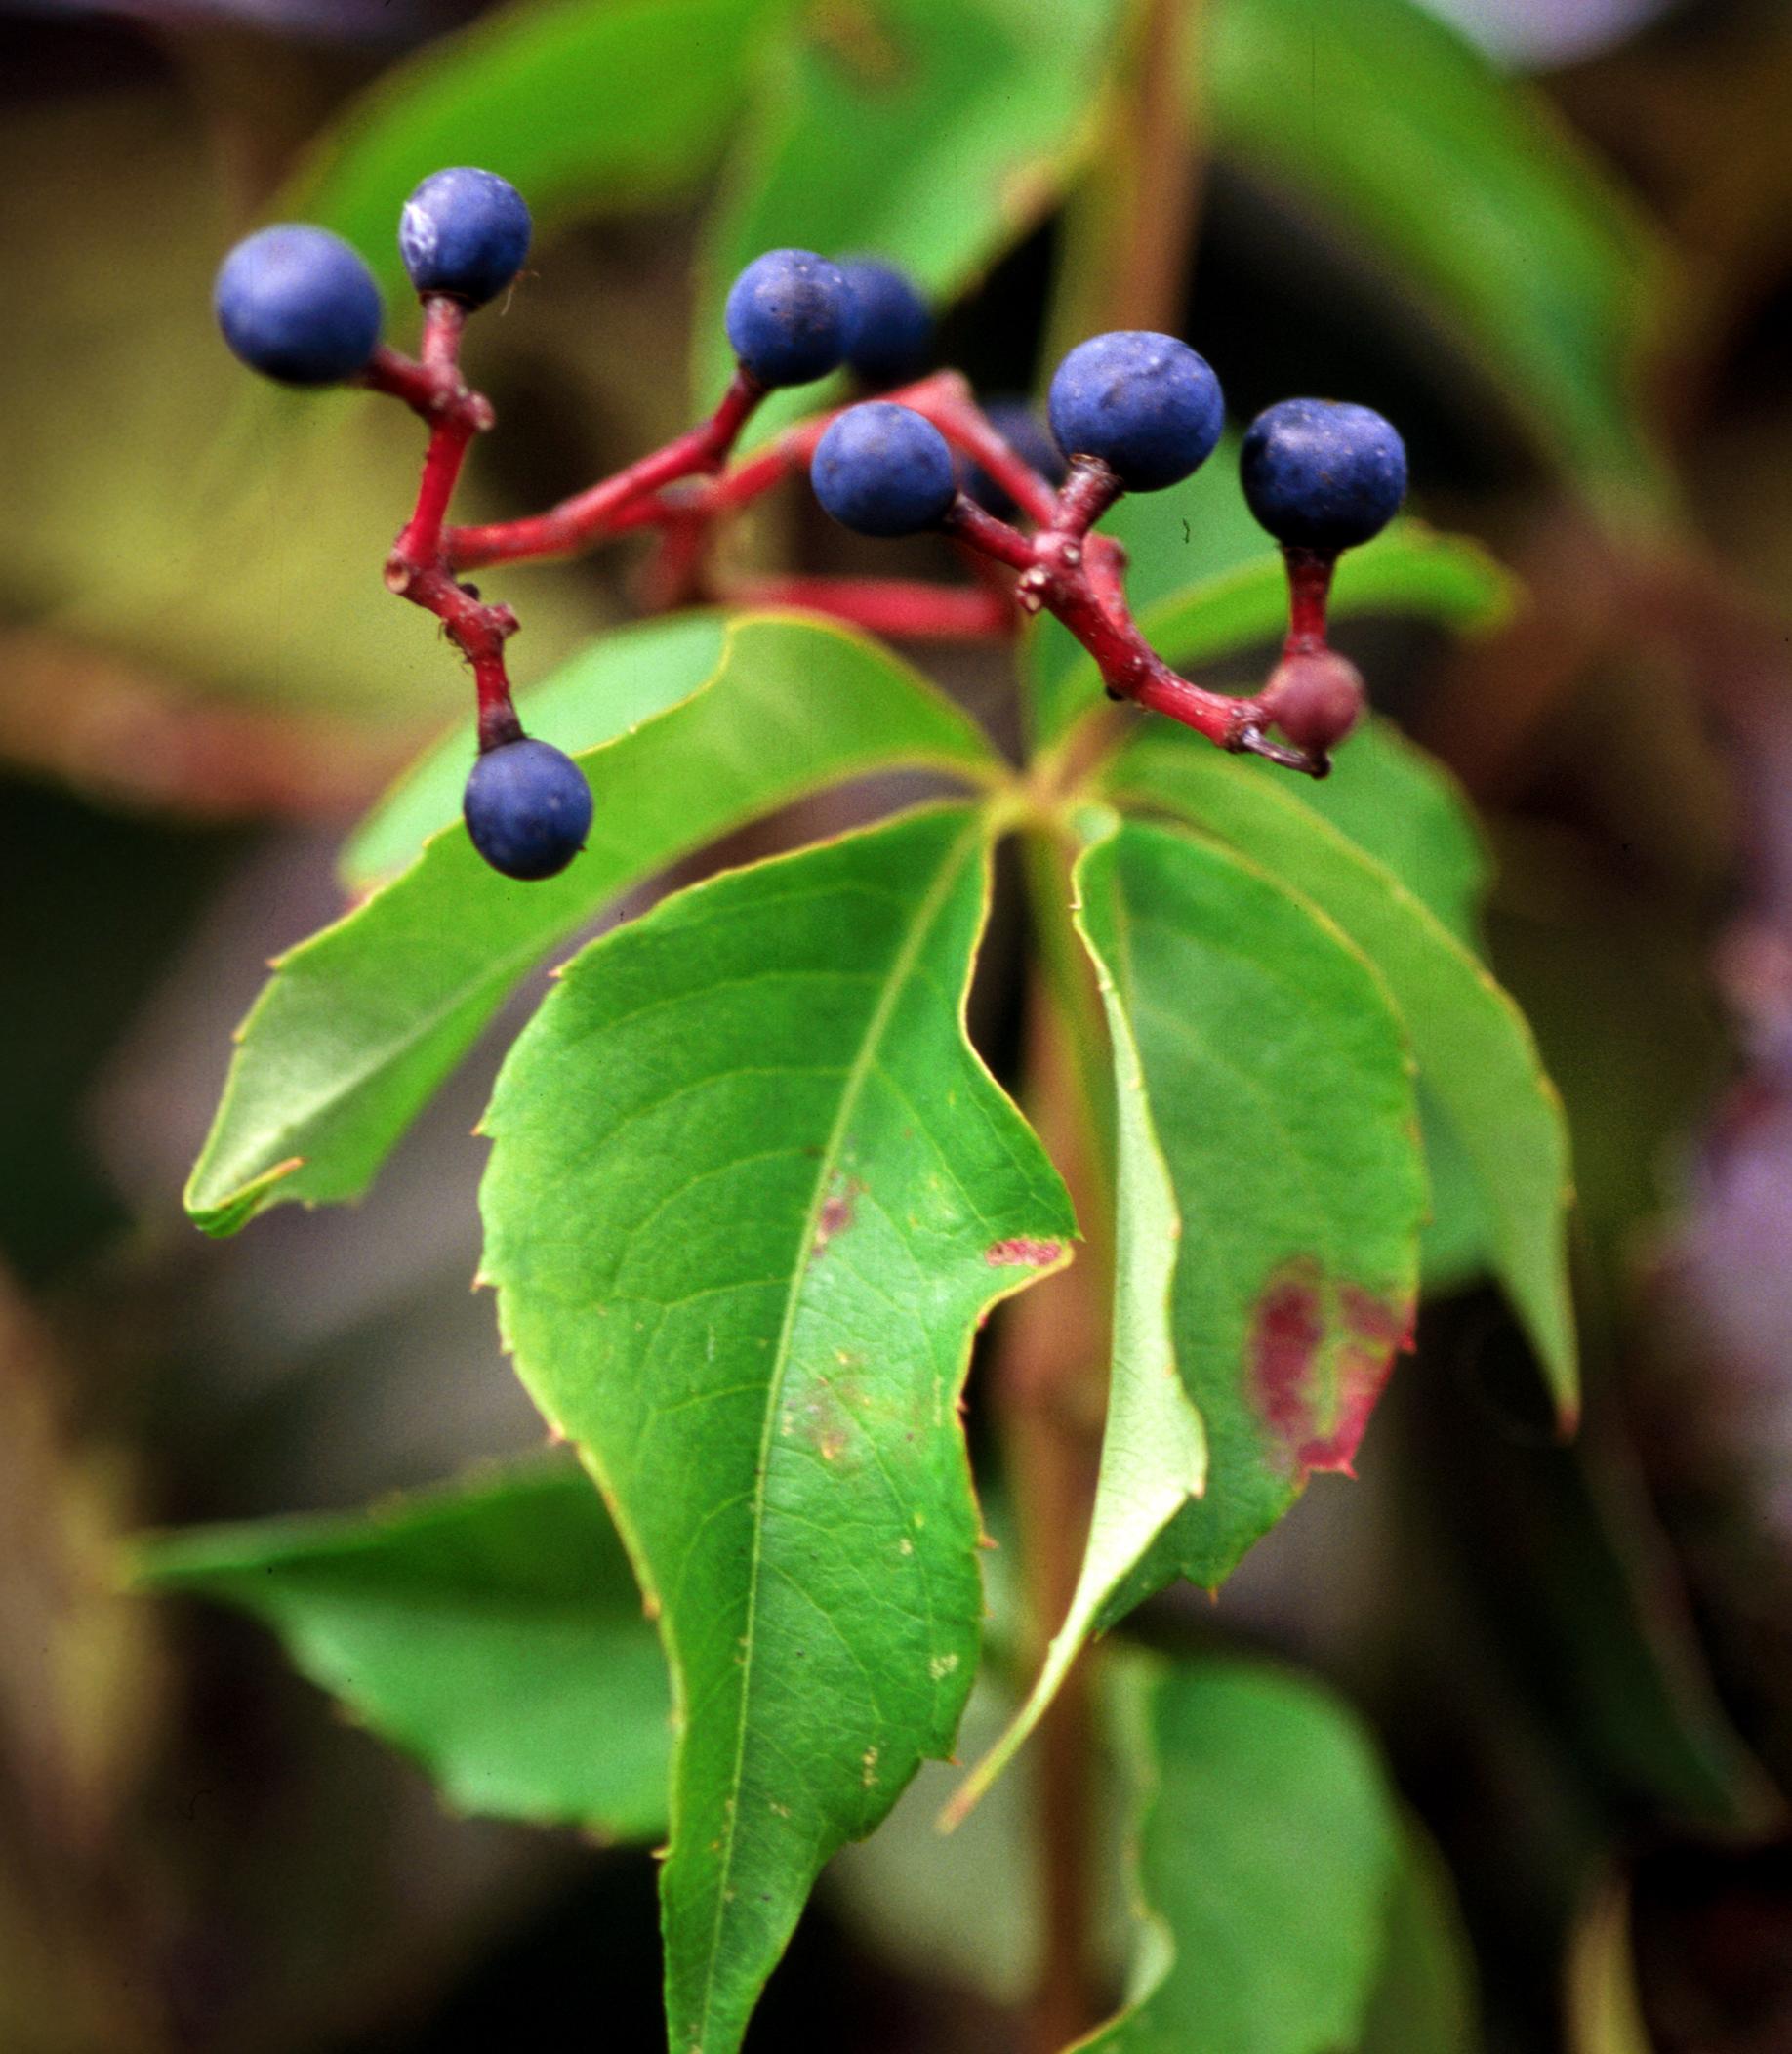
(1310, 575)
(590, 516)
(416, 568)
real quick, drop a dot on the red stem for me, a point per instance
(966, 521)
(1064, 569)
(1308, 589)
(892, 607)
(587, 514)
(1087, 493)
(416, 569)
(444, 320)
(1077, 578)
(946, 400)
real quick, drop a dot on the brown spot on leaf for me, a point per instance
(1023, 1253)
(836, 1213)
(1318, 1356)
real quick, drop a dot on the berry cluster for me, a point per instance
(1128, 412)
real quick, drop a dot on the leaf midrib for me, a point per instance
(856, 1079)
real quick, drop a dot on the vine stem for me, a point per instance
(1046, 1398)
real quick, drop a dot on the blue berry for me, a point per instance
(1017, 421)
(1323, 475)
(298, 304)
(466, 234)
(1145, 404)
(788, 316)
(528, 809)
(890, 331)
(882, 470)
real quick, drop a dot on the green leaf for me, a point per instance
(1477, 1058)
(361, 1023)
(1470, 196)
(1424, 2000)
(1277, 1080)
(932, 133)
(750, 1194)
(1409, 570)
(1458, 1245)
(963, 1909)
(492, 1629)
(585, 103)
(1268, 1846)
(1154, 1449)
(1401, 806)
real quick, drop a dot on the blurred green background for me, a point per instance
(1555, 244)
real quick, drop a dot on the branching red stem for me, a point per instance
(1077, 578)
(1087, 493)
(416, 568)
(681, 489)
(580, 520)
(967, 522)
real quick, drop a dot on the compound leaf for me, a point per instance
(933, 133)
(491, 1628)
(587, 103)
(361, 1023)
(749, 1193)
(1477, 1058)
(1472, 197)
(1281, 1091)
(1268, 1854)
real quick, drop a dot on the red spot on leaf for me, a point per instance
(1284, 1341)
(1022, 1253)
(1320, 1355)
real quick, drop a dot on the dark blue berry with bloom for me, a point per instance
(528, 809)
(890, 331)
(1146, 404)
(296, 304)
(1019, 425)
(1322, 473)
(882, 470)
(788, 318)
(466, 234)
